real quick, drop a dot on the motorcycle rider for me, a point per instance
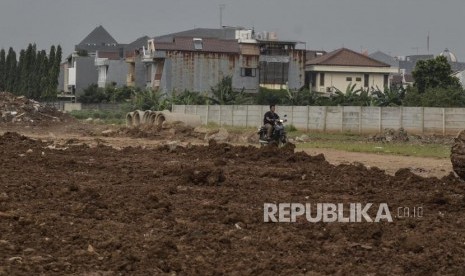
(269, 121)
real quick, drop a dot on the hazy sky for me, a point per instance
(397, 27)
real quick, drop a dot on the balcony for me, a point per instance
(101, 62)
(149, 56)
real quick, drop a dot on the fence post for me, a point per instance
(232, 115)
(342, 118)
(380, 119)
(360, 119)
(247, 116)
(422, 119)
(308, 118)
(208, 114)
(401, 117)
(292, 115)
(325, 111)
(443, 121)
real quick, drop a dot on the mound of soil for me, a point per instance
(23, 111)
(179, 132)
(198, 210)
(457, 156)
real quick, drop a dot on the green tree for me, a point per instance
(390, 97)
(189, 98)
(269, 96)
(434, 73)
(50, 88)
(2, 69)
(94, 94)
(223, 93)
(11, 71)
(435, 97)
(149, 100)
(42, 77)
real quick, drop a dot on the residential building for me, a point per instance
(340, 68)
(97, 59)
(198, 59)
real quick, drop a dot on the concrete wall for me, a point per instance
(353, 119)
(86, 73)
(68, 107)
(196, 71)
(117, 72)
(80, 106)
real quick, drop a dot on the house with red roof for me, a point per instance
(340, 68)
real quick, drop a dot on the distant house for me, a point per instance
(338, 69)
(97, 59)
(198, 59)
(402, 80)
(407, 63)
(385, 58)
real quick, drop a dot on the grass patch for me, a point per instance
(405, 149)
(104, 116)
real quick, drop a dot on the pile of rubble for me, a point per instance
(14, 109)
(401, 135)
(391, 135)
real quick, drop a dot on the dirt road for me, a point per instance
(390, 163)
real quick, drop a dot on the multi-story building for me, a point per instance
(198, 59)
(97, 59)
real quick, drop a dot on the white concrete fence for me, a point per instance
(355, 119)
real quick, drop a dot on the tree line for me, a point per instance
(33, 73)
(434, 87)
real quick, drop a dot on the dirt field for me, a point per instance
(74, 203)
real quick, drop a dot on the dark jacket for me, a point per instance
(270, 118)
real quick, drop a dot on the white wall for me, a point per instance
(339, 80)
(337, 118)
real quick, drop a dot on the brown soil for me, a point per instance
(72, 208)
(458, 154)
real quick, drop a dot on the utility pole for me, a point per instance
(427, 43)
(222, 6)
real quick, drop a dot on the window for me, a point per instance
(248, 72)
(198, 44)
(366, 80)
(349, 79)
(358, 79)
(386, 80)
(322, 79)
(276, 73)
(313, 79)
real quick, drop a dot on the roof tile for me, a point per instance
(346, 57)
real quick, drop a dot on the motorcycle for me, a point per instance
(278, 134)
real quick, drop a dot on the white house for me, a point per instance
(338, 69)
